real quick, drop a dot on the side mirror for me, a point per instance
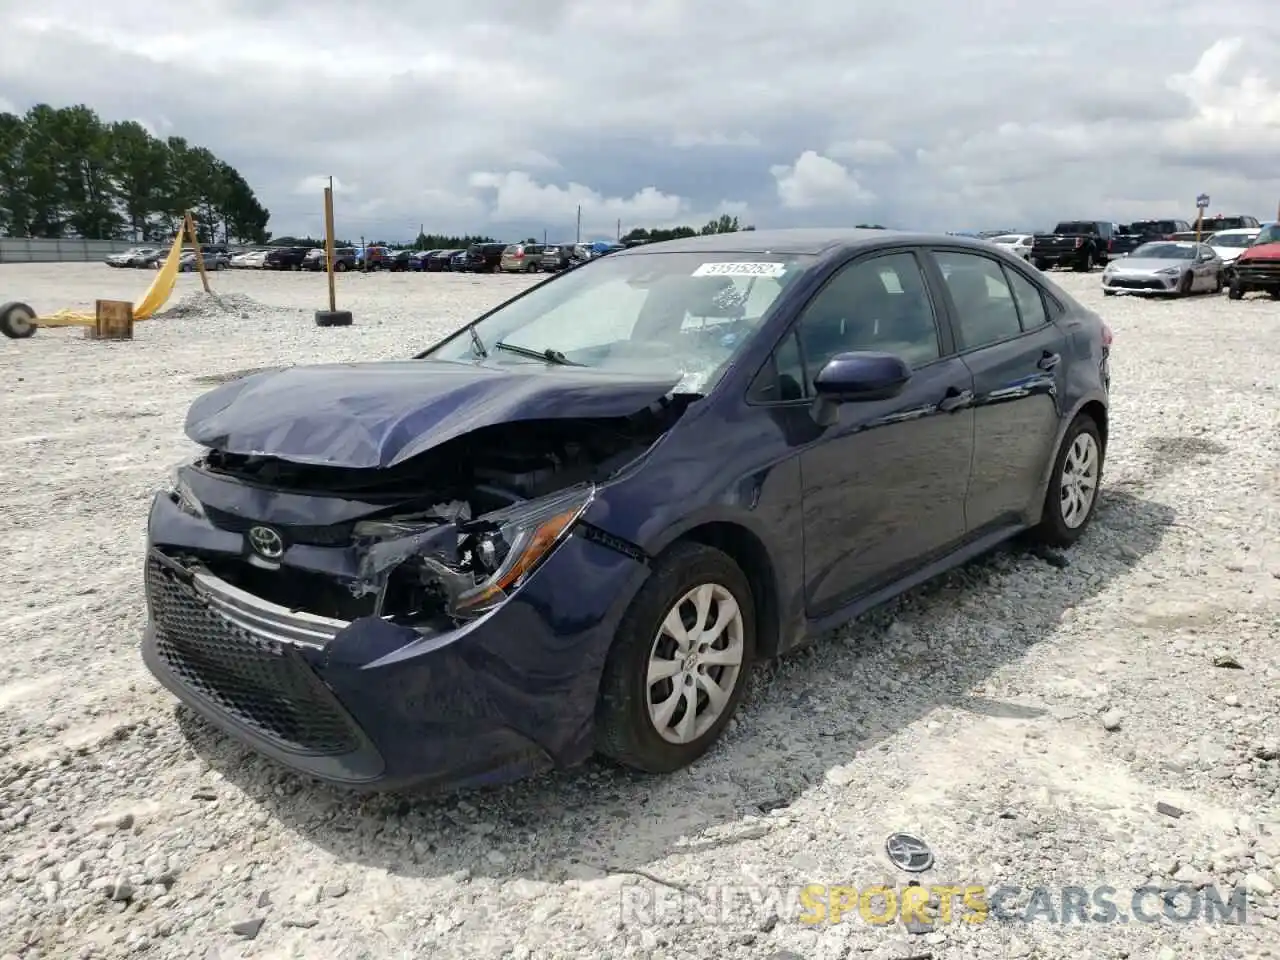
(857, 378)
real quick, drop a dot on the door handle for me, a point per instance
(955, 400)
(1048, 360)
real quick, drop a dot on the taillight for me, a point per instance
(1106, 336)
(1079, 241)
(518, 256)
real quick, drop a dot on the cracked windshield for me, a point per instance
(680, 314)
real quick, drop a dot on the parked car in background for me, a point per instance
(578, 522)
(213, 260)
(1219, 222)
(1229, 244)
(373, 258)
(1130, 236)
(1079, 244)
(1187, 236)
(133, 257)
(1166, 267)
(419, 259)
(285, 258)
(485, 257)
(1019, 244)
(458, 262)
(1257, 269)
(398, 260)
(442, 261)
(249, 260)
(522, 258)
(558, 256)
(344, 258)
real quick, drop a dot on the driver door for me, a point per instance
(884, 487)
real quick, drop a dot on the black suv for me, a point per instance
(285, 258)
(484, 257)
(1079, 244)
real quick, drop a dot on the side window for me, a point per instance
(1030, 303)
(878, 304)
(985, 308)
(782, 377)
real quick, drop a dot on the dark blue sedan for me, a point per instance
(577, 523)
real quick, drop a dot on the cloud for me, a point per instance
(814, 181)
(518, 198)
(917, 114)
(314, 185)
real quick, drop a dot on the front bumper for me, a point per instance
(1140, 283)
(370, 704)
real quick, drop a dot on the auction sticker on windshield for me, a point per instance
(773, 269)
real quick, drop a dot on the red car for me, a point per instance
(1258, 267)
(376, 258)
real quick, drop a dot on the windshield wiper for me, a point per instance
(477, 344)
(549, 355)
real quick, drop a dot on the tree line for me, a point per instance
(64, 172)
(722, 224)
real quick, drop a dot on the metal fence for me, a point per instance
(22, 250)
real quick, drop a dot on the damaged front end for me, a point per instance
(283, 595)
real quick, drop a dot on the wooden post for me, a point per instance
(328, 244)
(113, 320)
(1199, 221)
(195, 242)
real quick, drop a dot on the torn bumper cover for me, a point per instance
(501, 686)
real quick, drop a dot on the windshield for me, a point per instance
(1269, 234)
(1164, 251)
(680, 314)
(1230, 240)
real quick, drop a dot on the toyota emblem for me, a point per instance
(908, 853)
(266, 543)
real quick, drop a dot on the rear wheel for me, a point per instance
(1108, 293)
(679, 664)
(1073, 486)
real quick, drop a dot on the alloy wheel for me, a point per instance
(1079, 480)
(695, 663)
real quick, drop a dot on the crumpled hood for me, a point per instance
(1263, 251)
(378, 414)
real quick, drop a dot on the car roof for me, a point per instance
(801, 240)
(1236, 230)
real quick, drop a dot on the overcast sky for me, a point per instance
(503, 116)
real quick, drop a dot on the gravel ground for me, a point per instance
(1025, 715)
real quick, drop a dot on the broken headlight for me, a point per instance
(512, 543)
(181, 494)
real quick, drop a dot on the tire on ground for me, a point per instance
(17, 320)
(624, 731)
(1053, 529)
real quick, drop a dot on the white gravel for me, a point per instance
(1024, 716)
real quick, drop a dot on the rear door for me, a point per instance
(1016, 355)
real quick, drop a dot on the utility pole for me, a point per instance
(578, 238)
(618, 235)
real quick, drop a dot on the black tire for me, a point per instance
(1219, 283)
(333, 318)
(1236, 291)
(17, 320)
(1274, 294)
(624, 731)
(1053, 530)
(1040, 263)
(1085, 263)
(1184, 285)
(340, 267)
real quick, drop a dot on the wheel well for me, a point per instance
(750, 555)
(1098, 413)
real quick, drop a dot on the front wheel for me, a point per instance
(1184, 285)
(1073, 485)
(1236, 291)
(680, 661)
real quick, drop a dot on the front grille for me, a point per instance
(334, 535)
(261, 682)
(1136, 283)
(1258, 271)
